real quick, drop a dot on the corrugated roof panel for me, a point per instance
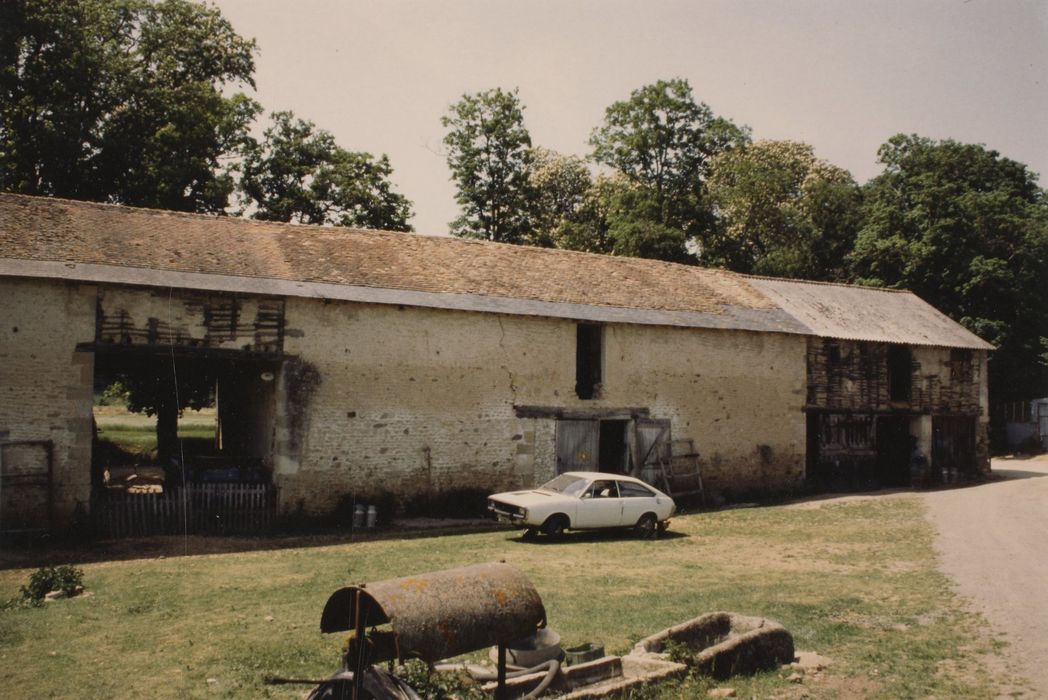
(867, 313)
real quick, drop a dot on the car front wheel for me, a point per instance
(555, 525)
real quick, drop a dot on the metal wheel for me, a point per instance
(647, 527)
(555, 525)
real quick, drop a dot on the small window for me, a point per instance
(588, 360)
(900, 370)
(833, 354)
(960, 365)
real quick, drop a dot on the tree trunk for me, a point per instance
(166, 429)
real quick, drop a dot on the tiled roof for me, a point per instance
(61, 238)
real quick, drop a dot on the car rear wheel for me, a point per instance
(647, 527)
(555, 525)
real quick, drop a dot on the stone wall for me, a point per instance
(45, 384)
(411, 400)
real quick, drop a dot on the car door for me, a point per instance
(600, 505)
(636, 501)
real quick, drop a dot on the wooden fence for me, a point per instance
(217, 509)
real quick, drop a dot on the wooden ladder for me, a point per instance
(683, 470)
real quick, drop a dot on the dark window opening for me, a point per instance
(588, 360)
(900, 370)
(960, 365)
(833, 353)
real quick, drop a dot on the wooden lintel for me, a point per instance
(576, 413)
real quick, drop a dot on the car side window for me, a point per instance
(603, 489)
(628, 489)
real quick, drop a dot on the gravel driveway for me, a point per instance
(993, 542)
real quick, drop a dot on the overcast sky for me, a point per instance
(840, 75)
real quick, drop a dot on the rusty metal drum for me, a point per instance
(440, 614)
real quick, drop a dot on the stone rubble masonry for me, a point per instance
(413, 400)
(375, 398)
(45, 384)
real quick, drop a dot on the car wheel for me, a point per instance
(647, 527)
(555, 525)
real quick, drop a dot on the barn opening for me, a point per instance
(612, 450)
(179, 417)
(858, 451)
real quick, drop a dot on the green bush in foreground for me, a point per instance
(63, 578)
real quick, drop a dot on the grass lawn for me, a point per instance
(853, 580)
(136, 432)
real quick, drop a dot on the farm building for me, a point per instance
(1026, 425)
(349, 363)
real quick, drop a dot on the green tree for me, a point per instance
(967, 230)
(662, 139)
(619, 217)
(489, 154)
(298, 173)
(558, 185)
(782, 211)
(122, 100)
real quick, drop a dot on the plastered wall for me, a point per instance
(408, 400)
(739, 395)
(45, 385)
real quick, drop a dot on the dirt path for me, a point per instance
(993, 542)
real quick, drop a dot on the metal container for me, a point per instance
(531, 651)
(358, 517)
(372, 516)
(440, 614)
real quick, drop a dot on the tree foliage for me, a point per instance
(558, 187)
(122, 100)
(618, 217)
(967, 230)
(782, 211)
(662, 140)
(489, 154)
(298, 173)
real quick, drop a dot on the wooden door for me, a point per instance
(577, 442)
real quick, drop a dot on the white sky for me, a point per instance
(842, 75)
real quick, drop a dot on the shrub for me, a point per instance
(65, 578)
(437, 685)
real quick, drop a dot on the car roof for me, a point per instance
(604, 475)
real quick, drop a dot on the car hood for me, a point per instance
(526, 498)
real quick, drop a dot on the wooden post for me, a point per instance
(500, 691)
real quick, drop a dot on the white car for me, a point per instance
(585, 501)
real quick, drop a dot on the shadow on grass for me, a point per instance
(35, 550)
(576, 537)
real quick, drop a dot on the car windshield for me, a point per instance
(565, 484)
